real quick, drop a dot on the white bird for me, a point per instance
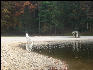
(28, 44)
(27, 35)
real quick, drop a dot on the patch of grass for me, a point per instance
(86, 34)
(81, 34)
(68, 34)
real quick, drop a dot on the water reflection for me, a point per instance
(78, 54)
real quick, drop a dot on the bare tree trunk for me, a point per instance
(90, 27)
(50, 29)
(39, 24)
(87, 26)
(55, 29)
(39, 17)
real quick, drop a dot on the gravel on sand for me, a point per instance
(13, 57)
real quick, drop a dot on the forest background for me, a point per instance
(44, 18)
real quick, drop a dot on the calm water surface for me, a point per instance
(79, 56)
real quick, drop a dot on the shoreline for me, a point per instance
(13, 57)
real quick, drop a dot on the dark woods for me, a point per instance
(45, 17)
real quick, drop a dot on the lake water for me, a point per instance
(79, 56)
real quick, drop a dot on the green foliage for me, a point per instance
(47, 13)
(47, 17)
(7, 9)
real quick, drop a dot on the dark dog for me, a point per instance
(75, 34)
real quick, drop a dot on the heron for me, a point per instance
(29, 44)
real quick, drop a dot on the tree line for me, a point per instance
(43, 17)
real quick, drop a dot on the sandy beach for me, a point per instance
(14, 57)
